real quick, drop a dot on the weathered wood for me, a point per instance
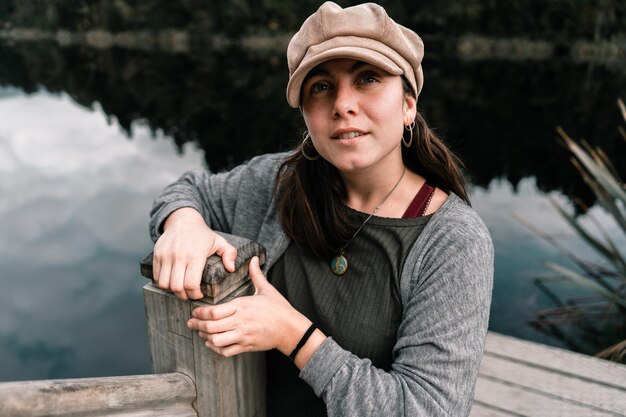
(168, 395)
(169, 338)
(556, 384)
(523, 378)
(521, 401)
(217, 283)
(582, 366)
(232, 386)
(482, 410)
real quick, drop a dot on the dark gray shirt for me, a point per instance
(445, 289)
(361, 309)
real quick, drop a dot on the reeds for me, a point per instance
(600, 318)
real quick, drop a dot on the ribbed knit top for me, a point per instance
(445, 287)
(361, 309)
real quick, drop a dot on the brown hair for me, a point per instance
(310, 194)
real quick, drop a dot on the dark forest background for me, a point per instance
(534, 19)
(499, 114)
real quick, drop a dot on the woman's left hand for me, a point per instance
(259, 322)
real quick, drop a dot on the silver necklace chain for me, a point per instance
(374, 212)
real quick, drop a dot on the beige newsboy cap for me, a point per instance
(365, 33)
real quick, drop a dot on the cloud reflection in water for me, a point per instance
(75, 199)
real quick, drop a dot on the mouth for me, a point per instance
(347, 134)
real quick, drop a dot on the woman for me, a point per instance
(379, 272)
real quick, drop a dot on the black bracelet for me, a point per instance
(302, 341)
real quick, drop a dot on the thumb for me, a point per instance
(256, 275)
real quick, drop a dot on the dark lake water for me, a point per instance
(89, 136)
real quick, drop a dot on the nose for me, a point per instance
(345, 101)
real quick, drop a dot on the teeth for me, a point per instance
(349, 135)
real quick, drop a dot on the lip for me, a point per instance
(338, 132)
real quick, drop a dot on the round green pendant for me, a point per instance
(339, 265)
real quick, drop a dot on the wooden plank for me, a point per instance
(521, 401)
(225, 386)
(215, 382)
(583, 366)
(555, 383)
(483, 410)
(232, 386)
(169, 412)
(169, 338)
(126, 396)
(251, 384)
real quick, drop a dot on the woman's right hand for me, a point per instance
(181, 252)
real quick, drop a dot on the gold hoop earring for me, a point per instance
(304, 144)
(409, 128)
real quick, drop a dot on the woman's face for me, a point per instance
(355, 113)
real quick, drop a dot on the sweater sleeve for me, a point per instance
(440, 339)
(231, 202)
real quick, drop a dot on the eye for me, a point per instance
(319, 87)
(368, 78)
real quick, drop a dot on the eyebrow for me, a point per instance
(324, 72)
(357, 65)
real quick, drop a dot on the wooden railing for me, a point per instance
(167, 395)
(516, 377)
(190, 380)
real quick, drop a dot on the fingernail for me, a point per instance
(189, 323)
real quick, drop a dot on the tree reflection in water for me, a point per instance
(499, 115)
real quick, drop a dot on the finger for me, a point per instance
(228, 351)
(193, 277)
(215, 349)
(232, 350)
(177, 280)
(227, 251)
(163, 280)
(223, 339)
(214, 312)
(156, 269)
(256, 275)
(210, 346)
(211, 326)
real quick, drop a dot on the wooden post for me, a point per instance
(226, 387)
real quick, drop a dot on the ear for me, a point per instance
(410, 109)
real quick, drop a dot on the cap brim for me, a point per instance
(354, 52)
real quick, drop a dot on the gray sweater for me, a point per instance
(445, 290)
